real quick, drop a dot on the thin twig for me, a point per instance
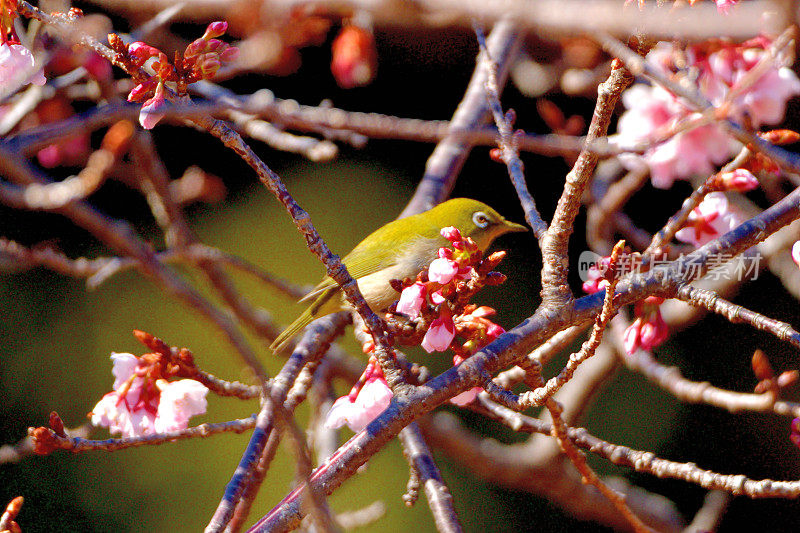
(506, 142)
(439, 499)
(560, 432)
(78, 444)
(555, 288)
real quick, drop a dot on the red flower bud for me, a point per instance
(215, 29)
(740, 180)
(140, 52)
(354, 58)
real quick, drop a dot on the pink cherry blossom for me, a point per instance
(126, 410)
(796, 253)
(17, 64)
(653, 332)
(153, 109)
(712, 218)
(442, 270)
(139, 406)
(718, 68)
(180, 400)
(439, 335)
(411, 300)
(652, 112)
(373, 398)
(121, 418)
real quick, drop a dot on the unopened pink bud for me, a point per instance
(140, 52)
(451, 234)
(494, 331)
(631, 337)
(215, 29)
(213, 45)
(209, 66)
(739, 180)
(141, 91)
(98, 67)
(196, 47)
(229, 54)
(354, 59)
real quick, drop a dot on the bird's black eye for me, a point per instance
(480, 219)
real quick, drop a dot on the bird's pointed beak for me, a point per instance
(512, 227)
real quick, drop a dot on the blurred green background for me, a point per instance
(55, 337)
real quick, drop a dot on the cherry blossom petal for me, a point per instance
(124, 367)
(180, 400)
(411, 300)
(466, 397)
(16, 61)
(442, 270)
(153, 109)
(451, 233)
(373, 398)
(439, 335)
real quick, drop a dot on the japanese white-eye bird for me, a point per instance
(400, 249)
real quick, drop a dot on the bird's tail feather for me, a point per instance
(314, 311)
(294, 328)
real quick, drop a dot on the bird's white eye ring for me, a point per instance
(480, 219)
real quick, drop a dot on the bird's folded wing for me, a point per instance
(359, 266)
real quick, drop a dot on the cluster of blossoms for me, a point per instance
(443, 291)
(201, 60)
(721, 70)
(144, 402)
(433, 311)
(597, 276)
(649, 330)
(16, 61)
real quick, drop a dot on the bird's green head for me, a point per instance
(473, 219)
